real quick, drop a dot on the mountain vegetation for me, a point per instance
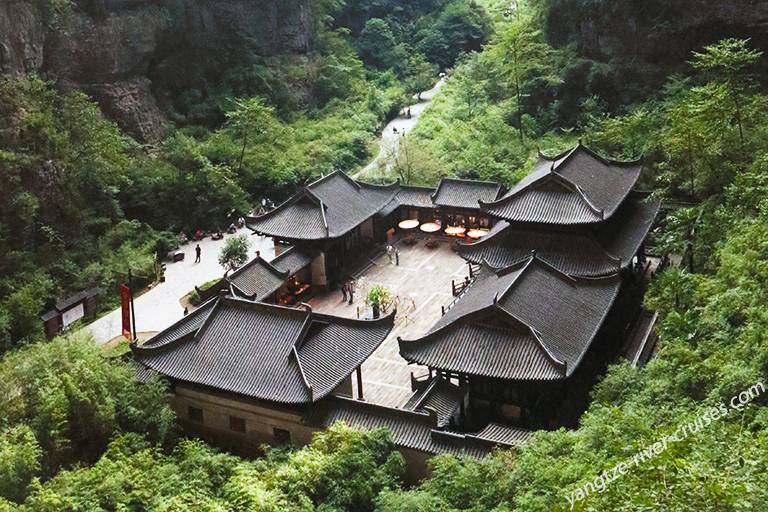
(80, 202)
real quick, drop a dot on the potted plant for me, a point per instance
(377, 296)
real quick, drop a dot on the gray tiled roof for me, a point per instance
(576, 187)
(409, 429)
(623, 234)
(456, 193)
(292, 260)
(186, 326)
(525, 322)
(420, 197)
(440, 396)
(597, 250)
(327, 208)
(257, 279)
(267, 352)
(503, 434)
(450, 192)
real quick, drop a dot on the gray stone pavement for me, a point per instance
(422, 284)
(159, 307)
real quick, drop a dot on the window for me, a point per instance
(195, 414)
(282, 436)
(237, 424)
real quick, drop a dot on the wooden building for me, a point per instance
(244, 373)
(577, 211)
(65, 312)
(338, 219)
(513, 340)
(249, 369)
(566, 242)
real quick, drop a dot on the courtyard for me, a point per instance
(420, 286)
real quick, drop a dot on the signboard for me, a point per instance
(72, 315)
(125, 307)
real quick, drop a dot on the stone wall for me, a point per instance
(261, 420)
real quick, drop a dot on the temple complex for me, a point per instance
(545, 287)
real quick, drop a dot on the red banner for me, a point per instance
(125, 306)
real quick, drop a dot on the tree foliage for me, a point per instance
(340, 470)
(234, 253)
(73, 400)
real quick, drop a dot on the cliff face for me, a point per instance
(654, 37)
(129, 53)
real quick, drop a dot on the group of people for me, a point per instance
(199, 234)
(348, 291)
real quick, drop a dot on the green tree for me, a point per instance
(378, 46)
(522, 54)
(74, 399)
(730, 63)
(20, 456)
(421, 75)
(250, 119)
(461, 26)
(235, 252)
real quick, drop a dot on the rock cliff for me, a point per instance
(630, 47)
(129, 53)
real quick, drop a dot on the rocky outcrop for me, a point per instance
(631, 47)
(128, 53)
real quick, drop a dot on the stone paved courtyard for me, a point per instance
(421, 285)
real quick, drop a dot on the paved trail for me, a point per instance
(390, 140)
(159, 307)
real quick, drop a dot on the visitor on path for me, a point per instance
(232, 229)
(409, 113)
(344, 292)
(186, 311)
(397, 257)
(351, 290)
(390, 251)
(394, 129)
(197, 253)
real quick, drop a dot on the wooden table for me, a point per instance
(455, 230)
(408, 224)
(430, 227)
(477, 233)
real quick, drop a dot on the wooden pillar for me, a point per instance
(359, 374)
(462, 406)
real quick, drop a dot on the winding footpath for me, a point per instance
(392, 133)
(159, 307)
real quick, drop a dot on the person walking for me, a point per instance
(344, 292)
(197, 253)
(351, 291)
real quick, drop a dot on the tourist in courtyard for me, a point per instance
(197, 253)
(344, 292)
(351, 290)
